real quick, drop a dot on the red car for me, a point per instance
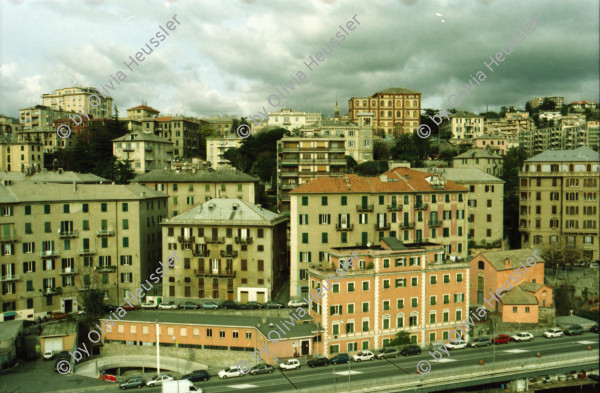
(127, 307)
(502, 339)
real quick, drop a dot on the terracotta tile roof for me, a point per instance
(144, 107)
(401, 180)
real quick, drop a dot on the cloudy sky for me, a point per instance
(229, 56)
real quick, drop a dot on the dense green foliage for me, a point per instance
(513, 162)
(402, 338)
(410, 147)
(372, 168)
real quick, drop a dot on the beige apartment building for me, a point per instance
(9, 125)
(59, 239)
(72, 99)
(188, 189)
(232, 250)
(497, 143)
(558, 101)
(465, 126)
(559, 201)
(409, 205)
(555, 138)
(144, 151)
(181, 130)
(41, 117)
(290, 120)
(484, 159)
(136, 114)
(485, 201)
(216, 148)
(20, 156)
(221, 125)
(396, 111)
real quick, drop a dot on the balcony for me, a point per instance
(435, 223)
(243, 240)
(128, 149)
(186, 239)
(344, 228)
(289, 186)
(68, 270)
(148, 149)
(212, 273)
(229, 254)
(215, 240)
(364, 208)
(422, 206)
(105, 233)
(394, 208)
(407, 225)
(382, 227)
(200, 253)
(49, 254)
(105, 268)
(87, 251)
(289, 173)
(9, 238)
(53, 291)
(11, 277)
(290, 161)
(67, 234)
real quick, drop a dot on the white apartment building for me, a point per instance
(216, 148)
(464, 126)
(288, 119)
(145, 151)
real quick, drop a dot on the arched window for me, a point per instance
(390, 103)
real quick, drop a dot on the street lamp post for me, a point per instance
(176, 347)
(494, 359)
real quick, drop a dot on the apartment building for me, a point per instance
(290, 119)
(593, 128)
(40, 117)
(301, 159)
(59, 239)
(519, 274)
(465, 126)
(231, 248)
(396, 111)
(135, 116)
(221, 125)
(9, 125)
(484, 159)
(485, 201)
(143, 151)
(559, 201)
(559, 137)
(392, 287)
(73, 99)
(20, 156)
(188, 189)
(558, 101)
(59, 176)
(48, 138)
(216, 148)
(183, 131)
(497, 143)
(410, 205)
(581, 106)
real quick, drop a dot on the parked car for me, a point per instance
(340, 358)
(522, 336)
(363, 355)
(574, 330)
(48, 355)
(480, 342)
(56, 315)
(261, 369)
(167, 306)
(595, 264)
(133, 382)
(255, 305)
(231, 372)
(128, 307)
(594, 329)
(228, 304)
(210, 306)
(411, 350)
(241, 306)
(554, 332)
(318, 362)
(387, 353)
(502, 339)
(188, 306)
(274, 304)
(460, 344)
(197, 376)
(159, 379)
(297, 303)
(292, 364)
(149, 305)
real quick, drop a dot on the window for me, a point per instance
(386, 304)
(323, 201)
(400, 282)
(28, 210)
(125, 223)
(386, 284)
(365, 285)
(350, 287)
(104, 207)
(28, 229)
(414, 302)
(208, 332)
(336, 288)
(351, 308)
(47, 227)
(365, 326)
(446, 278)
(365, 307)
(433, 280)
(480, 265)
(386, 263)
(432, 318)
(305, 238)
(46, 209)
(344, 200)
(304, 201)
(303, 219)
(432, 300)
(400, 303)
(324, 237)
(446, 299)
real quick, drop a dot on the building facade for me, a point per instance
(410, 205)
(73, 99)
(183, 131)
(464, 126)
(143, 151)
(289, 119)
(232, 250)
(41, 117)
(559, 201)
(216, 148)
(484, 159)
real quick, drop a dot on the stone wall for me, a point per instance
(580, 278)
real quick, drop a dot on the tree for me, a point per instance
(372, 168)
(265, 167)
(351, 164)
(547, 105)
(448, 155)
(402, 338)
(93, 301)
(381, 151)
(411, 147)
(513, 162)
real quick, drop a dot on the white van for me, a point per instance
(183, 386)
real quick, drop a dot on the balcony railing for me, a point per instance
(215, 240)
(364, 208)
(343, 228)
(201, 253)
(68, 270)
(186, 239)
(49, 254)
(394, 208)
(127, 149)
(383, 227)
(12, 277)
(87, 251)
(435, 223)
(229, 254)
(407, 225)
(67, 234)
(243, 240)
(422, 206)
(289, 173)
(289, 186)
(211, 273)
(11, 238)
(53, 291)
(105, 232)
(105, 268)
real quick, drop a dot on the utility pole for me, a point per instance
(157, 349)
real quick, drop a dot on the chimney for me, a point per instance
(507, 263)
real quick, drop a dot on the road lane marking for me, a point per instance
(446, 360)
(242, 386)
(515, 350)
(586, 342)
(351, 372)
